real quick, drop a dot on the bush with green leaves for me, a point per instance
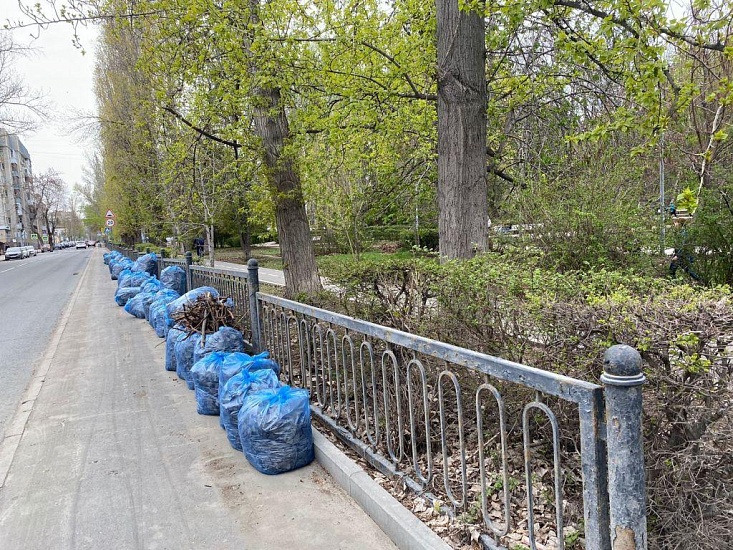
(711, 235)
(518, 308)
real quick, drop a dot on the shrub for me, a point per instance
(519, 309)
(711, 234)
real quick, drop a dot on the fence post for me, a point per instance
(189, 261)
(622, 378)
(253, 287)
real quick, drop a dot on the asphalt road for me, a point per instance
(33, 294)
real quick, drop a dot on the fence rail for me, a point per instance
(503, 443)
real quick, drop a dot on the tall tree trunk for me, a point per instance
(271, 126)
(296, 244)
(462, 191)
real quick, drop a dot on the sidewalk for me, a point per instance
(274, 277)
(270, 276)
(114, 456)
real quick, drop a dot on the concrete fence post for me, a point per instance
(189, 262)
(161, 263)
(253, 287)
(622, 379)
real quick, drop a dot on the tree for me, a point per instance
(462, 193)
(49, 195)
(128, 134)
(20, 107)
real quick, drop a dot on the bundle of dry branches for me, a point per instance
(206, 315)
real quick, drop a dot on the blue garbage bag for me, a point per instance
(225, 339)
(147, 263)
(174, 277)
(136, 305)
(175, 332)
(205, 376)
(275, 429)
(152, 285)
(189, 298)
(124, 294)
(112, 256)
(132, 278)
(237, 361)
(184, 347)
(233, 394)
(122, 275)
(117, 267)
(158, 316)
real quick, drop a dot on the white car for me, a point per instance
(15, 253)
(81, 244)
(31, 251)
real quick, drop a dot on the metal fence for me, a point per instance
(457, 426)
(445, 421)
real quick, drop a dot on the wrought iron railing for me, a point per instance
(435, 416)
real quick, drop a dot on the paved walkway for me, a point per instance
(271, 276)
(107, 451)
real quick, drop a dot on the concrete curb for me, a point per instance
(399, 524)
(16, 427)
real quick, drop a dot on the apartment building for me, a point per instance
(16, 175)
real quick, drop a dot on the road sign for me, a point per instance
(45, 239)
(34, 236)
(110, 222)
(107, 230)
(109, 214)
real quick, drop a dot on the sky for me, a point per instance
(65, 77)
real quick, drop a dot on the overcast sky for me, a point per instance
(65, 77)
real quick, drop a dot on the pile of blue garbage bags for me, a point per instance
(268, 421)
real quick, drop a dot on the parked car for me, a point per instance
(15, 253)
(31, 250)
(46, 248)
(91, 243)
(81, 244)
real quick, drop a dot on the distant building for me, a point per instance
(16, 176)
